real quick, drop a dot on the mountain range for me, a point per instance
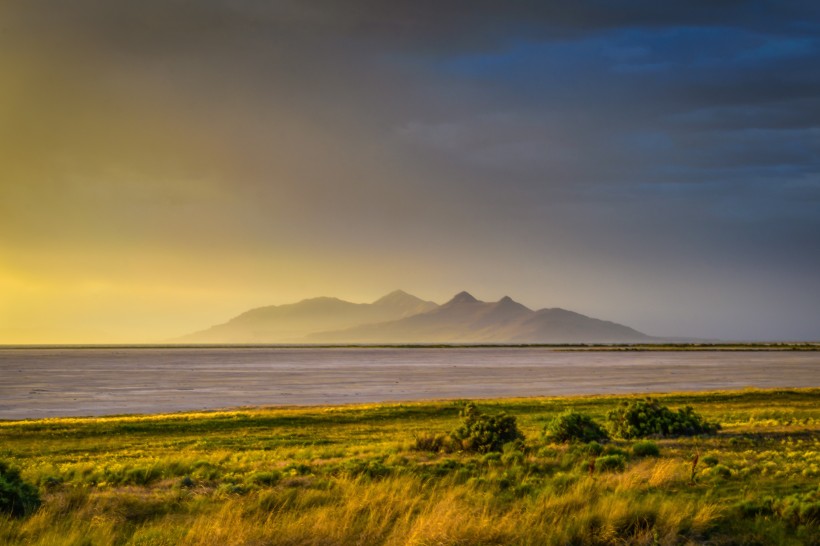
(402, 318)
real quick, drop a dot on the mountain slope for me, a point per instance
(290, 323)
(465, 319)
(562, 326)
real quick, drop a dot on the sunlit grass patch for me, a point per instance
(357, 475)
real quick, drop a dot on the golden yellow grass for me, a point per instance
(348, 476)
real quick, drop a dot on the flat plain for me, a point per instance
(354, 474)
(54, 382)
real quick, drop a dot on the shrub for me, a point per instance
(572, 426)
(17, 497)
(754, 508)
(594, 448)
(720, 471)
(484, 433)
(615, 450)
(646, 448)
(642, 418)
(266, 478)
(710, 460)
(608, 463)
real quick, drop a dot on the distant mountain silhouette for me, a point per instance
(400, 317)
(465, 319)
(291, 323)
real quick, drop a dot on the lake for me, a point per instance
(48, 382)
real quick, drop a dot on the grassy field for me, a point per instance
(352, 475)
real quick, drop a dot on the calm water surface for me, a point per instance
(68, 382)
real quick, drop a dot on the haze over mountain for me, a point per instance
(291, 323)
(402, 318)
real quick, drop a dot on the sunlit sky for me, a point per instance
(169, 164)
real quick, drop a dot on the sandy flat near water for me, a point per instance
(38, 383)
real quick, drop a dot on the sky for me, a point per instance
(169, 164)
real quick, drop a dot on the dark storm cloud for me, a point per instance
(155, 25)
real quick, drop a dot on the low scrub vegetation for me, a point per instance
(483, 433)
(572, 426)
(17, 498)
(445, 473)
(646, 448)
(648, 417)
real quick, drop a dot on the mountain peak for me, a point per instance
(399, 317)
(462, 297)
(396, 296)
(402, 304)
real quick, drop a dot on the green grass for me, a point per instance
(350, 475)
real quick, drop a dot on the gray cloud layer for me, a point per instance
(650, 163)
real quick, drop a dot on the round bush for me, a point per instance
(17, 497)
(485, 433)
(642, 418)
(646, 448)
(572, 426)
(610, 463)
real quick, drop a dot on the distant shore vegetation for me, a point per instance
(730, 467)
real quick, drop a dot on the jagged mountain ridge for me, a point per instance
(465, 319)
(402, 318)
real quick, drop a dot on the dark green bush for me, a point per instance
(809, 513)
(266, 478)
(710, 460)
(484, 433)
(17, 497)
(646, 448)
(642, 418)
(615, 450)
(754, 508)
(720, 471)
(572, 426)
(446, 466)
(610, 463)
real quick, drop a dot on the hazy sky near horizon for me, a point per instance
(168, 164)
